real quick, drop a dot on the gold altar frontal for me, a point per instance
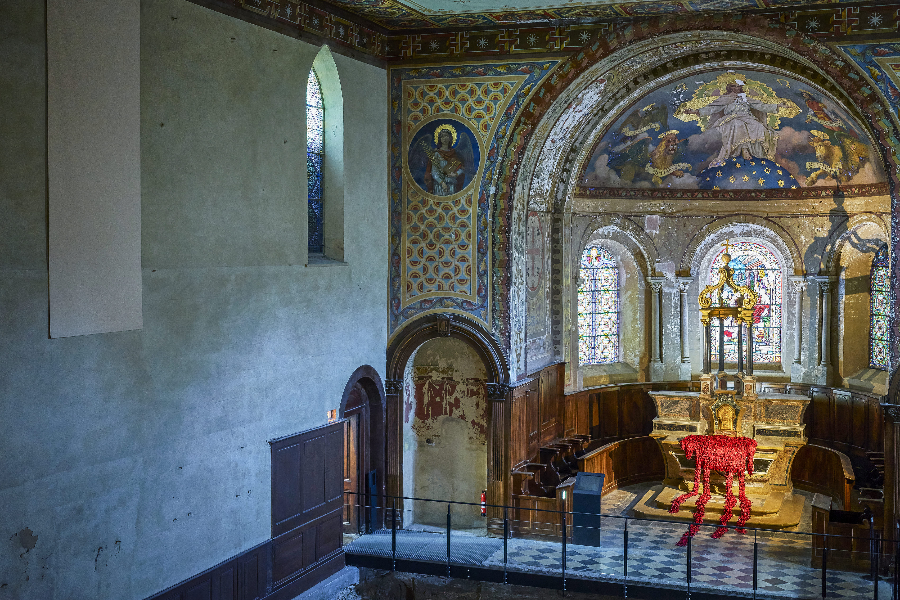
(775, 421)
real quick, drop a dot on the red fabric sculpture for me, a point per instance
(728, 455)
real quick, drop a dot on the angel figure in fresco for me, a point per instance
(445, 173)
(629, 150)
(742, 118)
(819, 113)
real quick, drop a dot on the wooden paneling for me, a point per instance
(537, 413)
(846, 420)
(307, 500)
(824, 471)
(625, 462)
(307, 476)
(243, 577)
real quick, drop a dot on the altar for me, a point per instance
(728, 405)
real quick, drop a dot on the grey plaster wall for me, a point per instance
(134, 460)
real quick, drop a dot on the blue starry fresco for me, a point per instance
(742, 174)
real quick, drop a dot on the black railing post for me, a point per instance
(824, 565)
(564, 551)
(448, 539)
(690, 540)
(505, 539)
(625, 561)
(755, 563)
(394, 534)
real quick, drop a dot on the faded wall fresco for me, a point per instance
(730, 130)
(444, 431)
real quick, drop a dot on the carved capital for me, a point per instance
(683, 283)
(798, 283)
(655, 283)
(497, 391)
(824, 282)
(393, 386)
(892, 411)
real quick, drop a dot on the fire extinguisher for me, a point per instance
(483, 503)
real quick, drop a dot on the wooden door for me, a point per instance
(352, 500)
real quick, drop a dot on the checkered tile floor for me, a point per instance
(723, 566)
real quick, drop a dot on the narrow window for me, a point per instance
(879, 309)
(756, 267)
(315, 155)
(598, 307)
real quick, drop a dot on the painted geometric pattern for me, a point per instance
(598, 307)
(880, 310)
(439, 250)
(522, 77)
(756, 267)
(479, 103)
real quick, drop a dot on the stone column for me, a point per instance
(683, 283)
(798, 285)
(656, 329)
(825, 283)
(393, 484)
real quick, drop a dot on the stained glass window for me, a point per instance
(756, 267)
(315, 154)
(598, 307)
(879, 309)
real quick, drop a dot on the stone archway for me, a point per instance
(483, 346)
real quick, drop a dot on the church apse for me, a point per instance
(733, 130)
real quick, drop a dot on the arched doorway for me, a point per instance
(362, 408)
(445, 419)
(477, 346)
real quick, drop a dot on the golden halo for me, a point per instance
(445, 127)
(669, 132)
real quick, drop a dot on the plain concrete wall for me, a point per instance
(134, 460)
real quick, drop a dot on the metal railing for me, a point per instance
(535, 546)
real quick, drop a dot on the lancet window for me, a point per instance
(756, 267)
(598, 307)
(879, 309)
(315, 156)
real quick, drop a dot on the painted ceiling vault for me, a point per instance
(433, 14)
(734, 130)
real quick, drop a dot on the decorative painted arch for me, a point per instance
(741, 226)
(435, 325)
(624, 231)
(831, 72)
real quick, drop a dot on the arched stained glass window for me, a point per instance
(315, 155)
(879, 309)
(757, 267)
(598, 307)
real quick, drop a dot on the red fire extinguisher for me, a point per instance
(483, 503)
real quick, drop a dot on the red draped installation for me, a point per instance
(728, 455)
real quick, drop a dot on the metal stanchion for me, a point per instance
(448, 540)
(564, 551)
(690, 541)
(394, 534)
(505, 540)
(755, 563)
(625, 562)
(824, 566)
